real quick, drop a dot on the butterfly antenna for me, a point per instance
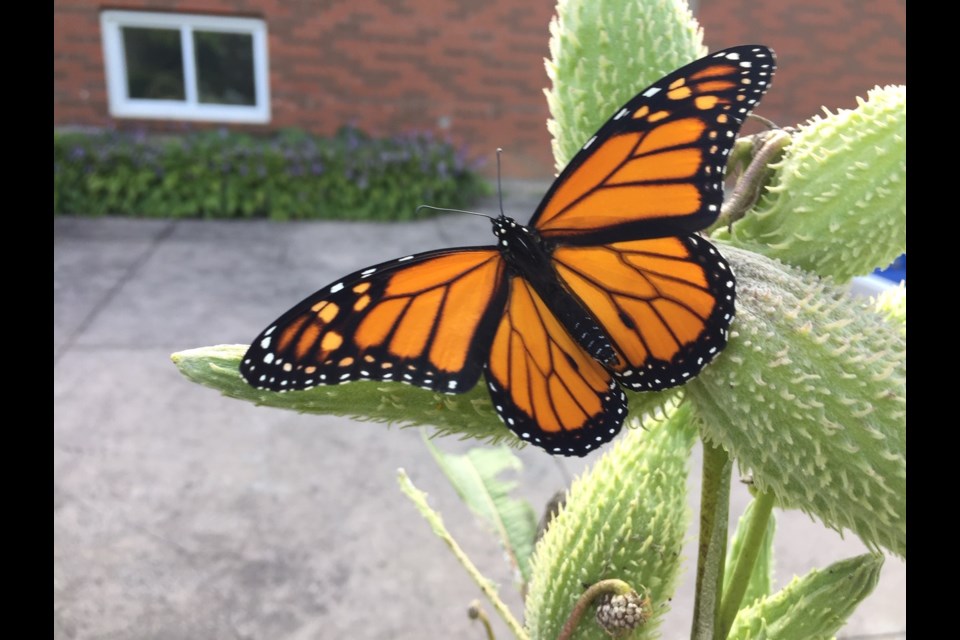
(769, 124)
(473, 213)
(499, 183)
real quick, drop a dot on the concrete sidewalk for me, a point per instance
(180, 514)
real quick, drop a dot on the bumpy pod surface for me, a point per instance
(837, 203)
(812, 607)
(810, 395)
(626, 518)
(603, 53)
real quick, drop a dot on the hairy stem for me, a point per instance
(714, 515)
(419, 498)
(476, 612)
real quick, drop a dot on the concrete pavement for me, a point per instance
(179, 513)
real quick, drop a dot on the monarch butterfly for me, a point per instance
(607, 287)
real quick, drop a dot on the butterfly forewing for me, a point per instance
(656, 167)
(423, 319)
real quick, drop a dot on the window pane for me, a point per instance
(154, 63)
(224, 67)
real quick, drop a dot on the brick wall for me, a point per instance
(828, 51)
(474, 69)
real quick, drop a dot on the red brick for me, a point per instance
(390, 65)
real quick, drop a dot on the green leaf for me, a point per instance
(475, 478)
(813, 607)
(749, 569)
(469, 414)
(761, 578)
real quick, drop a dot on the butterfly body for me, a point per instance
(608, 287)
(527, 255)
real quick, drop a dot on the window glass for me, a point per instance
(154, 63)
(224, 67)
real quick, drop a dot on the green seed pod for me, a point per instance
(624, 519)
(596, 64)
(810, 395)
(812, 607)
(836, 204)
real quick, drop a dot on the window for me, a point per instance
(186, 67)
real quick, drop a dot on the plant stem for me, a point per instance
(714, 515)
(596, 590)
(767, 148)
(476, 612)
(419, 498)
(740, 580)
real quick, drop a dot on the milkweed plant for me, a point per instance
(809, 397)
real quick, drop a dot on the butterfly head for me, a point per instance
(511, 235)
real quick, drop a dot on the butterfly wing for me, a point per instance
(665, 303)
(425, 320)
(656, 167)
(622, 217)
(544, 385)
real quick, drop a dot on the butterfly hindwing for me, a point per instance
(422, 319)
(665, 303)
(656, 167)
(543, 384)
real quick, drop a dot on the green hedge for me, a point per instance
(291, 175)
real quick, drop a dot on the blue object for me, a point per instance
(896, 271)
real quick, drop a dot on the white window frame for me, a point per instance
(115, 61)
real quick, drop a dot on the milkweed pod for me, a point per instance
(810, 396)
(601, 53)
(814, 606)
(625, 518)
(837, 204)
